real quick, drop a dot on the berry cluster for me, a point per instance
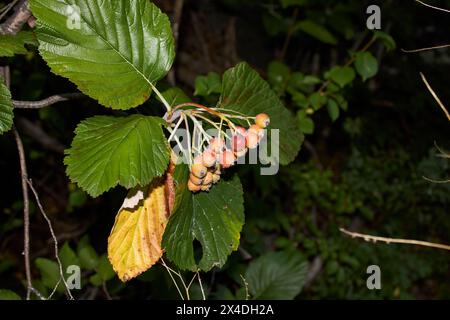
(207, 167)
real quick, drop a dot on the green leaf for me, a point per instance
(9, 295)
(387, 39)
(104, 273)
(245, 91)
(11, 45)
(341, 75)
(108, 151)
(214, 219)
(317, 100)
(49, 272)
(6, 108)
(120, 50)
(315, 30)
(104, 269)
(206, 85)
(88, 257)
(175, 96)
(366, 65)
(333, 109)
(277, 276)
(305, 123)
(68, 256)
(278, 75)
(291, 3)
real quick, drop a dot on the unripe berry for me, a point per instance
(216, 178)
(199, 170)
(227, 159)
(206, 187)
(208, 178)
(262, 120)
(252, 140)
(217, 145)
(193, 187)
(209, 158)
(195, 180)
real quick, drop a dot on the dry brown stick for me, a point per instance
(369, 238)
(14, 23)
(38, 134)
(26, 210)
(47, 101)
(439, 102)
(55, 241)
(432, 7)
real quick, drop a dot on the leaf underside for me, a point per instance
(135, 241)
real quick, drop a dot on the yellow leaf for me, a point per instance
(134, 244)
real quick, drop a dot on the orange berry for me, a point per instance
(252, 140)
(262, 120)
(206, 187)
(193, 187)
(227, 159)
(256, 129)
(208, 178)
(195, 180)
(199, 170)
(216, 178)
(209, 158)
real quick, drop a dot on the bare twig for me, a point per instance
(26, 210)
(427, 48)
(48, 101)
(36, 132)
(433, 7)
(17, 20)
(201, 285)
(435, 96)
(374, 239)
(314, 270)
(55, 241)
(105, 290)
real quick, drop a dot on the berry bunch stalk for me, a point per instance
(208, 154)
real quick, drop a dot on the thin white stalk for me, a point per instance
(161, 97)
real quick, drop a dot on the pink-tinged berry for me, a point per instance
(252, 140)
(238, 143)
(241, 153)
(262, 120)
(208, 178)
(209, 158)
(256, 129)
(199, 170)
(240, 130)
(216, 178)
(227, 159)
(217, 145)
(195, 180)
(193, 187)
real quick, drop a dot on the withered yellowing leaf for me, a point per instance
(134, 244)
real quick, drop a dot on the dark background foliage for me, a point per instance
(363, 171)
